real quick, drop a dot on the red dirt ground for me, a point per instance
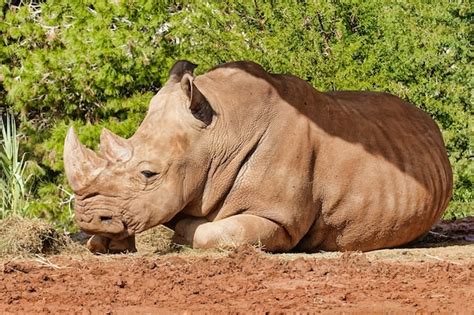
(242, 281)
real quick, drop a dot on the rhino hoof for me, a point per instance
(126, 245)
(102, 245)
(98, 244)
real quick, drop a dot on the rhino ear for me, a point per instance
(114, 148)
(198, 104)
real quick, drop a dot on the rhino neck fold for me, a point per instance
(225, 174)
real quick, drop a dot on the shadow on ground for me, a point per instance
(448, 232)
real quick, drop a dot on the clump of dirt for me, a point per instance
(23, 237)
(245, 252)
(355, 260)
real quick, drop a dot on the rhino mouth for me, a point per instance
(103, 222)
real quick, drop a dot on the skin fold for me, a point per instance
(242, 156)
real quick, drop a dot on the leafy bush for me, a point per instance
(98, 63)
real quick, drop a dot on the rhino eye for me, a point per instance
(148, 174)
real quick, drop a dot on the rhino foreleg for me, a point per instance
(234, 231)
(185, 230)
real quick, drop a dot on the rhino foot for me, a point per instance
(102, 245)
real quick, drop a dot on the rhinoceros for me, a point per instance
(239, 155)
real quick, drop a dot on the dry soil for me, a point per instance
(435, 275)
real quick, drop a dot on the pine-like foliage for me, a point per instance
(97, 63)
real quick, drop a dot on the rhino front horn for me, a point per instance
(81, 164)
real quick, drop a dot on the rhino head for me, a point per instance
(137, 183)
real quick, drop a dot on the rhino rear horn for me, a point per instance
(81, 164)
(180, 68)
(114, 148)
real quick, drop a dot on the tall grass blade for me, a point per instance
(13, 179)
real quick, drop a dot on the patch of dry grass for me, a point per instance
(157, 240)
(26, 237)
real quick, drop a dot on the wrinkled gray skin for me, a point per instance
(239, 155)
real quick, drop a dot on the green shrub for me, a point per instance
(98, 63)
(14, 178)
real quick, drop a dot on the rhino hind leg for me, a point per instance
(234, 231)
